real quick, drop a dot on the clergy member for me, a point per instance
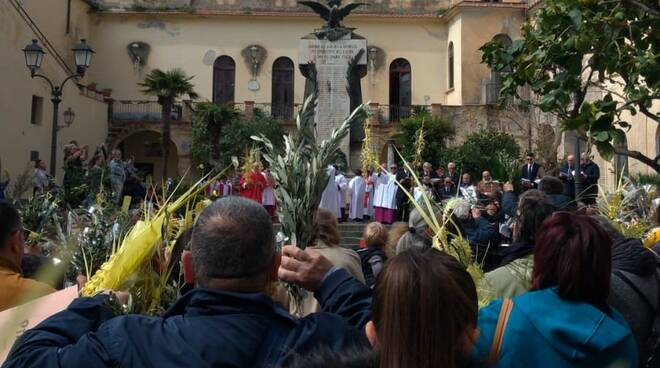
(357, 187)
(253, 183)
(385, 198)
(331, 197)
(342, 184)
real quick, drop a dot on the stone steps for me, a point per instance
(351, 233)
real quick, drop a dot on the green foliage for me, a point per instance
(208, 122)
(487, 150)
(168, 84)
(301, 169)
(437, 132)
(200, 146)
(572, 47)
(235, 138)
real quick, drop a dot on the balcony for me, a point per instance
(141, 110)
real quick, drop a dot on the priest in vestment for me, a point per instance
(331, 197)
(385, 198)
(342, 183)
(268, 196)
(357, 187)
(253, 184)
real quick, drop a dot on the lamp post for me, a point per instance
(34, 55)
(578, 169)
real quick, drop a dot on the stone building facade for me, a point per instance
(421, 53)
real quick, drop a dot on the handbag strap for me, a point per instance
(502, 320)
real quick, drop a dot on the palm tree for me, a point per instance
(167, 86)
(215, 118)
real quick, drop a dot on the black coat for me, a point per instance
(455, 177)
(532, 174)
(591, 173)
(566, 176)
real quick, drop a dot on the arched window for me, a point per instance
(282, 93)
(450, 64)
(400, 89)
(493, 90)
(224, 80)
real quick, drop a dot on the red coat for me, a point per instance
(253, 188)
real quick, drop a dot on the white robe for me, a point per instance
(386, 191)
(342, 183)
(357, 186)
(331, 196)
(268, 194)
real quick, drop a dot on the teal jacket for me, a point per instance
(547, 331)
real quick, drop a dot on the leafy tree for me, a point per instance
(437, 132)
(487, 150)
(235, 138)
(167, 86)
(572, 48)
(208, 120)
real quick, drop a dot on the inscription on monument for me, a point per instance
(332, 59)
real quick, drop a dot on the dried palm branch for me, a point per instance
(140, 243)
(368, 156)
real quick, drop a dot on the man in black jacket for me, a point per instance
(530, 172)
(567, 176)
(590, 176)
(227, 321)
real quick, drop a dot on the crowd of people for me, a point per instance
(583, 297)
(85, 176)
(567, 288)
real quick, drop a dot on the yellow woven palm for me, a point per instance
(138, 246)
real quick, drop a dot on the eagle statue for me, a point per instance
(333, 13)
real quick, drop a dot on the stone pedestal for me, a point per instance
(332, 59)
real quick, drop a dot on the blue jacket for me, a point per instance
(547, 331)
(480, 232)
(204, 328)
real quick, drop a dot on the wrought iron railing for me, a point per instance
(141, 110)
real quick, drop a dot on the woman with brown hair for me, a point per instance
(565, 320)
(326, 242)
(424, 311)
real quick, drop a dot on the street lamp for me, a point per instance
(69, 115)
(34, 56)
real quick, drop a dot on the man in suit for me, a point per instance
(448, 189)
(567, 176)
(402, 176)
(427, 171)
(452, 173)
(590, 175)
(530, 172)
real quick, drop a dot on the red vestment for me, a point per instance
(253, 187)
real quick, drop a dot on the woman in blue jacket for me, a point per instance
(565, 320)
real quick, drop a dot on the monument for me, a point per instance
(333, 59)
